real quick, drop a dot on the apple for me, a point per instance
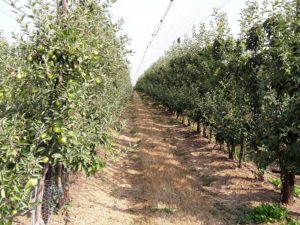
(51, 76)
(1, 95)
(46, 160)
(29, 58)
(19, 76)
(17, 138)
(98, 81)
(44, 136)
(3, 194)
(95, 52)
(50, 53)
(14, 212)
(33, 91)
(62, 140)
(57, 130)
(57, 103)
(32, 182)
(40, 48)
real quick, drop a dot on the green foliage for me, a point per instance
(278, 185)
(165, 210)
(62, 87)
(267, 213)
(293, 222)
(245, 90)
(276, 182)
(297, 192)
(207, 180)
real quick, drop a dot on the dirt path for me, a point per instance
(166, 175)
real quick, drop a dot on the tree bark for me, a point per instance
(241, 155)
(64, 5)
(210, 135)
(39, 197)
(288, 185)
(231, 152)
(198, 127)
(204, 131)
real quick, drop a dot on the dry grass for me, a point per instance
(166, 175)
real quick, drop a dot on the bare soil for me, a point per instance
(165, 175)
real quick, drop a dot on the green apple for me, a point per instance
(14, 212)
(57, 130)
(57, 103)
(33, 91)
(62, 140)
(98, 81)
(50, 53)
(19, 76)
(41, 49)
(32, 182)
(95, 52)
(29, 58)
(44, 136)
(46, 160)
(51, 76)
(17, 138)
(3, 194)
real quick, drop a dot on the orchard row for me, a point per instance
(244, 90)
(63, 84)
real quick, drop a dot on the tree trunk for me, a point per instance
(241, 155)
(231, 152)
(204, 131)
(48, 192)
(39, 197)
(189, 122)
(210, 135)
(62, 183)
(198, 127)
(288, 185)
(64, 5)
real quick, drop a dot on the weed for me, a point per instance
(292, 222)
(297, 192)
(163, 210)
(276, 182)
(266, 213)
(278, 185)
(168, 130)
(173, 121)
(207, 180)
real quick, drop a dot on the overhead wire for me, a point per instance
(173, 31)
(154, 34)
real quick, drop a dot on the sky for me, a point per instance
(140, 19)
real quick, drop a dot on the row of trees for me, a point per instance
(63, 84)
(245, 91)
